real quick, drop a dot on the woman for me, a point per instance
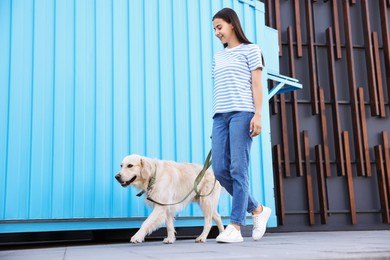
(236, 120)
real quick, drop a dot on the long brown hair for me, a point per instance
(230, 16)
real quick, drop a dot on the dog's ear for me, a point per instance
(145, 168)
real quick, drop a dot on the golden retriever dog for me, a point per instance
(168, 182)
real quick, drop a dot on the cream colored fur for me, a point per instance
(173, 182)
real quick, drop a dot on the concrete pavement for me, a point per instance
(294, 245)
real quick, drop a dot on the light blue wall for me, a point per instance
(84, 83)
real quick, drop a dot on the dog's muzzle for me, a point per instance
(118, 177)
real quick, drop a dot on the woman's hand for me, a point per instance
(255, 125)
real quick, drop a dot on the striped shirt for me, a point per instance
(231, 71)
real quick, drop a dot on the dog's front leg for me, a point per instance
(155, 220)
(170, 239)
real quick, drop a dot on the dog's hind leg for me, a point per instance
(207, 209)
(170, 239)
(154, 221)
(216, 216)
(218, 221)
(206, 230)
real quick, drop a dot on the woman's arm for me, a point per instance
(257, 92)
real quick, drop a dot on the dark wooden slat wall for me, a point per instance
(311, 56)
(385, 37)
(386, 155)
(279, 184)
(343, 107)
(283, 116)
(335, 106)
(277, 24)
(324, 133)
(352, 90)
(274, 100)
(350, 187)
(336, 26)
(298, 33)
(382, 184)
(322, 191)
(363, 123)
(378, 75)
(309, 182)
(269, 13)
(294, 109)
(369, 59)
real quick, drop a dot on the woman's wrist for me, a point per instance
(257, 114)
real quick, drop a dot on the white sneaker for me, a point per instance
(260, 223)
(230, 235)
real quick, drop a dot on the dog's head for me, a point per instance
(135, 170)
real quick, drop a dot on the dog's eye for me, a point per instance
(121, 165)
(129, 165)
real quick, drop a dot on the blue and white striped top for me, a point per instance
(231, 71)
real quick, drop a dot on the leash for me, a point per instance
(194, 188)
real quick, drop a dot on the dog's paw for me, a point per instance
(169, 240)
(200, 239)
(136, 239)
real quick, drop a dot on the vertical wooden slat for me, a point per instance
(322, 192)
(312, 63)
(348, 167)
(364, 137)
(279, 185)
(291, 59)
(352, 93)
(298, 33)
(386, 41)
(335, 107)
(369, 59)
(309, 184)
(274, 100)
(378, 75)
(283, 118)
(278, 27)
(382, 184)
(324, 133)
(336, 26)
(386, 154)
(294, 109)
(268, 13)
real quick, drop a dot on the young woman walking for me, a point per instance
(236, 120)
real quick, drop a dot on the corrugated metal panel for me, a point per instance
(84, 83)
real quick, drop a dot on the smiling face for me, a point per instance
(131, 171)
(224, 31)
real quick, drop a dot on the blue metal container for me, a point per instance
(85, 83)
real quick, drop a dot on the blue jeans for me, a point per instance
(231, 145)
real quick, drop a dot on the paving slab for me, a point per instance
(294, 245)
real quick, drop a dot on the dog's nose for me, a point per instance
(118, 176)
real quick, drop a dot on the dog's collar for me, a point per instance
(152, 180)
